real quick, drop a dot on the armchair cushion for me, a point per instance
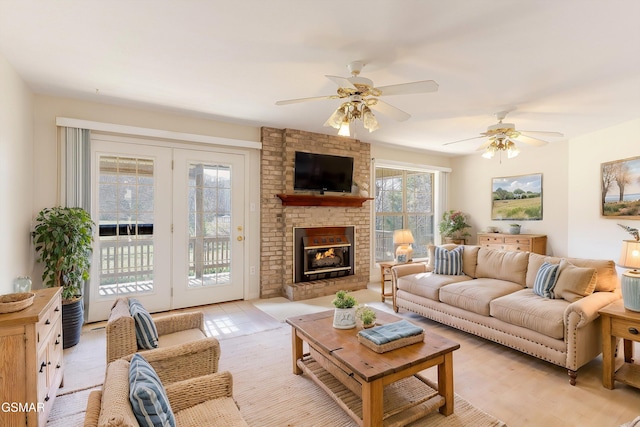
(147, 395)
(146, 332)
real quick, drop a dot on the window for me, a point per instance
(403, 199)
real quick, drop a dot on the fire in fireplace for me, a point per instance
(323, 253)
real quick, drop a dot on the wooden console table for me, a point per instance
(618, 322)
(536, 243)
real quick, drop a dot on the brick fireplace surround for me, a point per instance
(278, 221)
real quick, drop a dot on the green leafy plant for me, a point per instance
(63, 239)
(344, 300)
(366, 314)
(454, 224)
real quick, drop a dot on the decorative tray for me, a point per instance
(16, 302)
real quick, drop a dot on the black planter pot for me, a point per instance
(72, 320)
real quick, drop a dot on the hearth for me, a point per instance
(323, 253)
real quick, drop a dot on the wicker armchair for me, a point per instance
(196, 400)
(172, 329)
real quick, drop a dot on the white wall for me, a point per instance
(591, 235)
(16, 176)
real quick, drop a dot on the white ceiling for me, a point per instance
(571, 66)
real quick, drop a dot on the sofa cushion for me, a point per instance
(606, 281)
(526, 309)
(147, 395)
(448, 262)
(180, 337)
(223, 410)
(475, 295)
(469, 257)
(146, 332)
(546, 280)
(503, 265)
(574, 282)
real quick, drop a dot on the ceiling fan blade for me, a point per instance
(531, 140)
(543, 133)
(408, 88)
(462, 140)
(314, 98)
(341, 81)
(390, 110)
(484, 145)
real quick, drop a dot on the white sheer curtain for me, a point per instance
(76, 165)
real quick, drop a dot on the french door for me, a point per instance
(169, 226)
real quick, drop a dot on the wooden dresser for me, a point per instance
(31, 367)
(536, 243)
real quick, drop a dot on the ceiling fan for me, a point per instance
(503, 137)
(361, 96)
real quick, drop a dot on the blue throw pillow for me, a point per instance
(146, 332)
(448, 262)
(546, 279)
(147, 395)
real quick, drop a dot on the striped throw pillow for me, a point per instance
(546, 279)
(147, 395)
(448, 262)
(146, 332)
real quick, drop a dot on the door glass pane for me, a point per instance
(126, 192)
(209, 225)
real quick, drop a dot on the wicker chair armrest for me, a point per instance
(93, 409)
(188, 393)
(184, 361)
(179, 322)
(120, 331)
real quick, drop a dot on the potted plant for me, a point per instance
(453, 227)
(63, 239)
(367, 316)
(514, 228)
(345, 313)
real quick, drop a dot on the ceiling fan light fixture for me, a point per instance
(337, 118)
(512, 150)
(369, 120)
(345, 128)
(490, 151)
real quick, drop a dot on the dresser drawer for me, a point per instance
(490, 240)
(49, 319)
(515, 240)
(625, 329)
(516, 247)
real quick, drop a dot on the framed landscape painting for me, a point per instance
(517, 198)
(620, 188)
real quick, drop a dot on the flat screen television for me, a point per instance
(323, 172)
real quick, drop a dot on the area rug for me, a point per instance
(281, 308)
(269, 394)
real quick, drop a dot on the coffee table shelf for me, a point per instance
(405, 401)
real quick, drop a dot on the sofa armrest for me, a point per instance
(179, 322)
(411, 268)
(120, 331)
(93, 409)
(194, 391)
(184, 361)
(587, 307)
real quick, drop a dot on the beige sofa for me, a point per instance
(494, 299)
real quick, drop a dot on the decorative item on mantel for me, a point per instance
(345, 313)
(630, 258)
(453, 227)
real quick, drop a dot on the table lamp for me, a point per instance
(630, 258)
(403, 238)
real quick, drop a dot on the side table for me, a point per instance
(618, 322)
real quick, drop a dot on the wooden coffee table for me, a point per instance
(374, 389)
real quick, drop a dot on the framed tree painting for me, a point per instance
(517, 198)
(620, 188)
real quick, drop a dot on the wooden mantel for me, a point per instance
(321, 200)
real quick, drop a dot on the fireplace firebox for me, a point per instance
(323, 253)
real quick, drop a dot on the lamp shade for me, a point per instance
(402, 237)
(630, 254)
